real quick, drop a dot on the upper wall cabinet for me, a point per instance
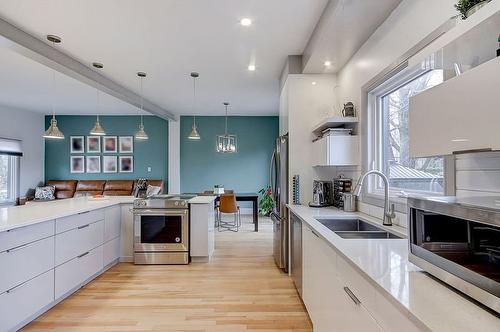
(461, 114)
(336, 151)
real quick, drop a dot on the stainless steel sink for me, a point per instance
(356, 229)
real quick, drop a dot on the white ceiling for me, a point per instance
(167, 39)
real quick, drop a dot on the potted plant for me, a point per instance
(266, 201)
(469, 7)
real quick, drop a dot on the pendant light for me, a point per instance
(98, 130)
(226, 143)
(194, 132)
(141, 133)
(53, 131)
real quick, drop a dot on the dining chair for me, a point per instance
(228, 205)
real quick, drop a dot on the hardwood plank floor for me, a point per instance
(239, 290)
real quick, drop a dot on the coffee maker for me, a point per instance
(322, 194)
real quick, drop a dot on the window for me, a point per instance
(10, 151)
(391, 155)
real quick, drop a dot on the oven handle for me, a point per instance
(159, 212)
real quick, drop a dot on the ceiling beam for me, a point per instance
(33, 48)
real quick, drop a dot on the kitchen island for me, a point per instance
(388, 292)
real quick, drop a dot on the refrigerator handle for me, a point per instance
(271, 173)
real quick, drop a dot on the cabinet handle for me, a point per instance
(314, 233)
(16, 287)
(84, 212)
(352, 296)
(82, 255)
(18, 248)
(84, 226)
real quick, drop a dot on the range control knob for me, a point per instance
(183, 203)
(143, 203)
(176, 203)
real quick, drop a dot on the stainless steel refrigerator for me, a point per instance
(279, 185)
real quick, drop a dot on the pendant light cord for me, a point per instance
(53, 89)
(142, 101)
(226, 119)
(98, 103)
(194, 100)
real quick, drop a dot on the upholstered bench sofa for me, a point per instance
(78, 188)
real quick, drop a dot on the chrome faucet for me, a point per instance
(388, 214)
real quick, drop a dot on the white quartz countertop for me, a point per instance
(385, 264)
(202, 199)
(36, 212)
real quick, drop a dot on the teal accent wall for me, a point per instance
(245, 171)
(151, 153)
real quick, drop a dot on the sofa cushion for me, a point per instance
(64, 188)
(119, 186)
(89, 187)
(45, 193)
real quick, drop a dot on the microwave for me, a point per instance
(458, 241)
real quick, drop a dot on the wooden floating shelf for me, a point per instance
(335, 122)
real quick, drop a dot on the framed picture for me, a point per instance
(126, 164)
(93, 164)
(77, 164)
(126, 144)
(110, 164)
(93, 144)
(110, 144)
(77, 144)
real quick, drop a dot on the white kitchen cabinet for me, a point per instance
(77, 241)
(22, 235)
(336, 151)
(460, 114)
(75, 272)
(111, 251)
(127, 234)
(24, 262)
(19, 305)
(327, 301)
(112, 223)
(80, 219)
(202, 231)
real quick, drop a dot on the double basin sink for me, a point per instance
(356, 229)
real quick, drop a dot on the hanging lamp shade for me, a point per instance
(194, 135)
(53, 131)
(141, 132)
(98, 130)
(227, 143)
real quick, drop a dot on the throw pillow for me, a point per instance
(45, 193)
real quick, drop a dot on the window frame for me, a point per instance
(13, 180)
(375, 149)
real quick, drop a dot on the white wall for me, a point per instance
(174, 157)
(306, 105)
(27, 127)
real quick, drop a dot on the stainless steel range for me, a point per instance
(161, 229)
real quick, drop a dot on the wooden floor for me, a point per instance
(239, 290)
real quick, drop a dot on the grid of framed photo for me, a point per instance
(90, 148)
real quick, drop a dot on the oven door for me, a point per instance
(157, 230)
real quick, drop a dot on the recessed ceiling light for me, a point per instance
(246, 22)
(313, 83)
(251, 67)
(328, 63)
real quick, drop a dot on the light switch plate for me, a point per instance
(149, 168)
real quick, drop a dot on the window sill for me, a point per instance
(400, 203)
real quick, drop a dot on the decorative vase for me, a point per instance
(476, 7)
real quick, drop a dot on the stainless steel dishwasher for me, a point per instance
(296, 252)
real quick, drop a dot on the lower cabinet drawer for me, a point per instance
(25, 262)
(79, 240)
(22, 235)
(111, 251)
(26, 300)
(73, 273)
